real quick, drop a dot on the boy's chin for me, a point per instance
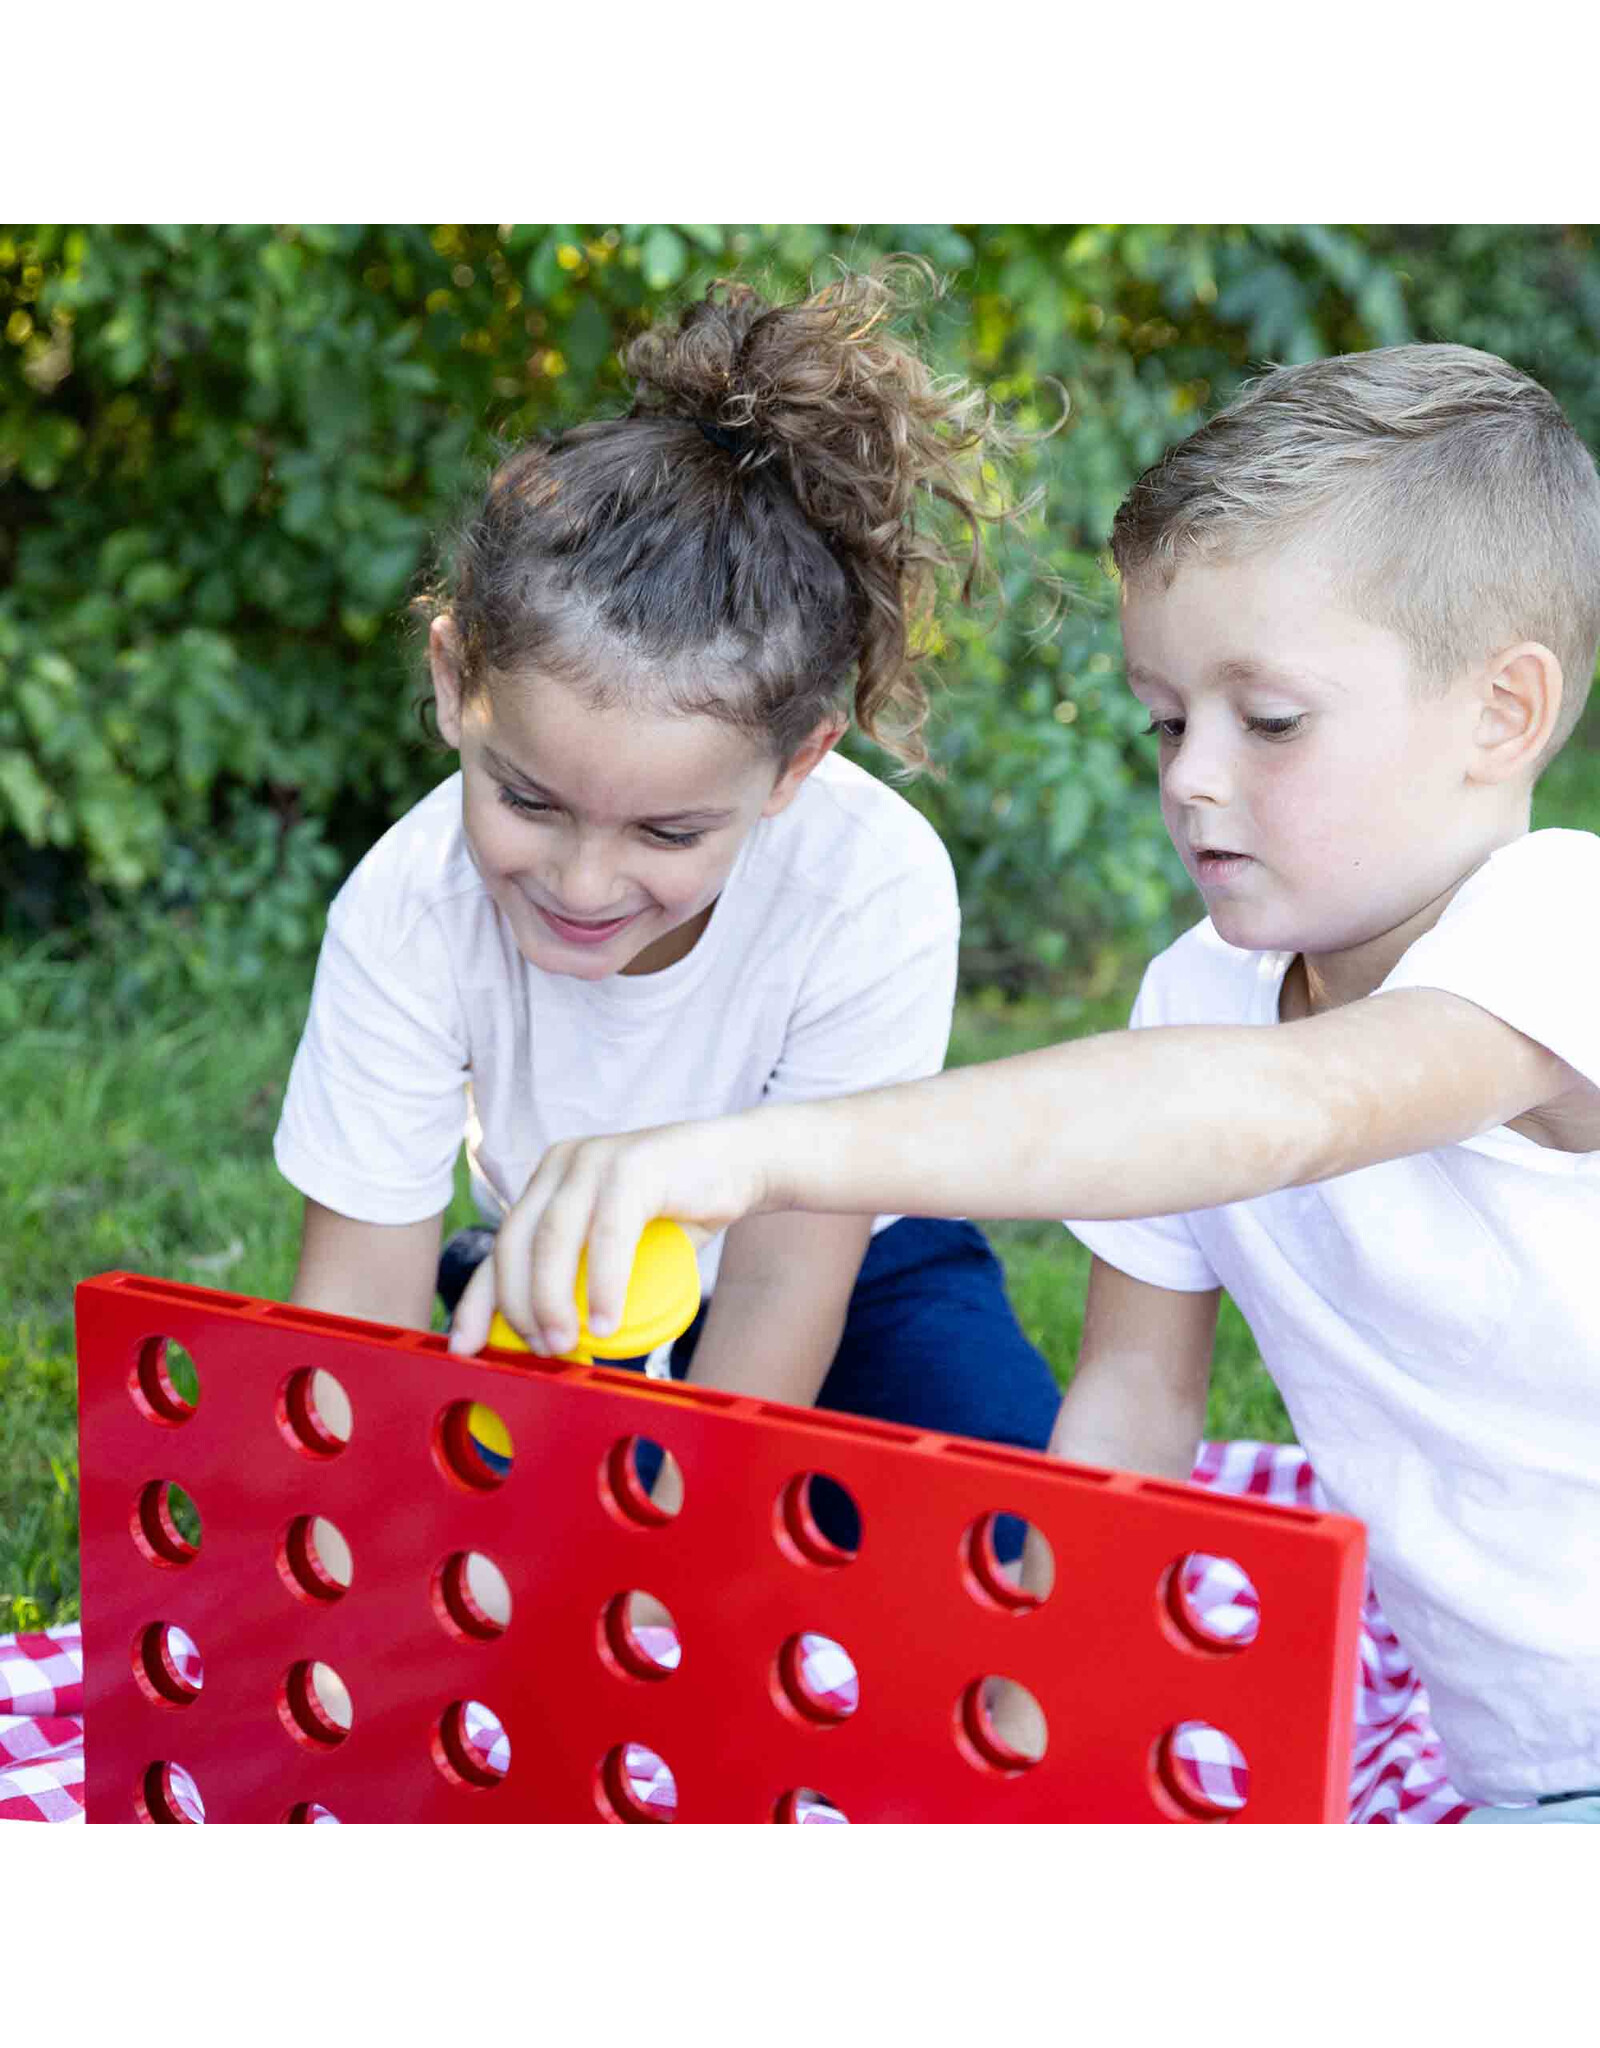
(1250, 930)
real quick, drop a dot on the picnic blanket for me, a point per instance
(1398, 1771)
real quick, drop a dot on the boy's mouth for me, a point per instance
(1217, 863)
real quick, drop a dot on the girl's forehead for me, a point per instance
(620, 758)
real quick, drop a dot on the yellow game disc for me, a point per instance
(663, 1296)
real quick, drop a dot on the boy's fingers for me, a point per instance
(545, 1319)
(469, 1326)
(613, 1241)
(550, 1265)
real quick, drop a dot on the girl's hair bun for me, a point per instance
(781, 503)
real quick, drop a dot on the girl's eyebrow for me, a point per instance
(706, 815)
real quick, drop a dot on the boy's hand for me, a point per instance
(601, 1192)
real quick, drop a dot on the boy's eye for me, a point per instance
(1276, 728)
(1169, 730)
(663, 837)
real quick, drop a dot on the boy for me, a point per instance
(1362, 606)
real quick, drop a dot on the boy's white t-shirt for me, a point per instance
(1434, 1326)
(828, 966)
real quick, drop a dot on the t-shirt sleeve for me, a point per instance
(1161, 1250)
(375, 1110)
(1514, 940)
(876, 1005)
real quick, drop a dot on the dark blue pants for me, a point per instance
(930, 1341)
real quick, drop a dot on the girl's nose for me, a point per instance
(584, 880)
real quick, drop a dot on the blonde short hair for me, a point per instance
(1455, 501)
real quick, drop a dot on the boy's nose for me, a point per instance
(1199, 772)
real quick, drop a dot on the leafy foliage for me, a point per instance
(223, 452)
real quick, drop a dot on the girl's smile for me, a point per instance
(604, 832)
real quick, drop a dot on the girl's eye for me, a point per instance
(524, 806)
(663, 837)
(1276, 728)
(1168, 730)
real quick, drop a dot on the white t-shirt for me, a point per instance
(828, 965)
(1434, 1326)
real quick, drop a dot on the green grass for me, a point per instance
(142, 1138)
(139, 1140)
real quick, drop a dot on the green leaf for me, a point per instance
(27, 796)
(154, 583)
(664, 258)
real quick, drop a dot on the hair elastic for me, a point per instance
(722, 437)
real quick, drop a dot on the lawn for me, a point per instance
(144, 1141)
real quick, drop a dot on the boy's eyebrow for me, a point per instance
(1241, 669)
(707, 814)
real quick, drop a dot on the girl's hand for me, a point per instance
(601, 1192)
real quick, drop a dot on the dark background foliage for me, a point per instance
(223, 452)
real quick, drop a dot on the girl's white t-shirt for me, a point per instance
(828, 966)
(1434, 1326)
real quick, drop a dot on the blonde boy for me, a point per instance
(1362, 607)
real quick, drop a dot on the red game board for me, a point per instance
(349, 1660)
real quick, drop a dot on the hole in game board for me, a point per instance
(1213, 1601)
(637, 1469)
(992, 1551)
(471, 1597)
(166, 1524)
(818, 1679)
(314, 1705)
(1204, 1769)
(164, 1383)
(807, 1808)
(314, 1559)
(1002, 1725)
(639, 1636)
(818, 1520)
(168, 1796)
(314, 1413)
(311, 1813)
(167, 1664)
(473, 1446)
(632, 1783)
(471, 1746)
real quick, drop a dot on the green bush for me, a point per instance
(223, 451)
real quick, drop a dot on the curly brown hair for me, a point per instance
(771, 515)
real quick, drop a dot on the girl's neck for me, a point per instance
(672, 946)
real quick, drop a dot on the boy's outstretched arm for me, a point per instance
(1134, 1123)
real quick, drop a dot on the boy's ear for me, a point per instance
(444, 665)
(1519, 710)
(823, 737)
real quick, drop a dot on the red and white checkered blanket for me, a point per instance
(1398, 1769)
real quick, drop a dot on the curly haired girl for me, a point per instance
(653, 891)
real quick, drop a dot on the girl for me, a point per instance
(653, 891)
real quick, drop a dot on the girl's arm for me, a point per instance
(384, 1272)
(1134, 1123)
(778, 1310)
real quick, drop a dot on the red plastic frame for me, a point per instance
(1102, 1654)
